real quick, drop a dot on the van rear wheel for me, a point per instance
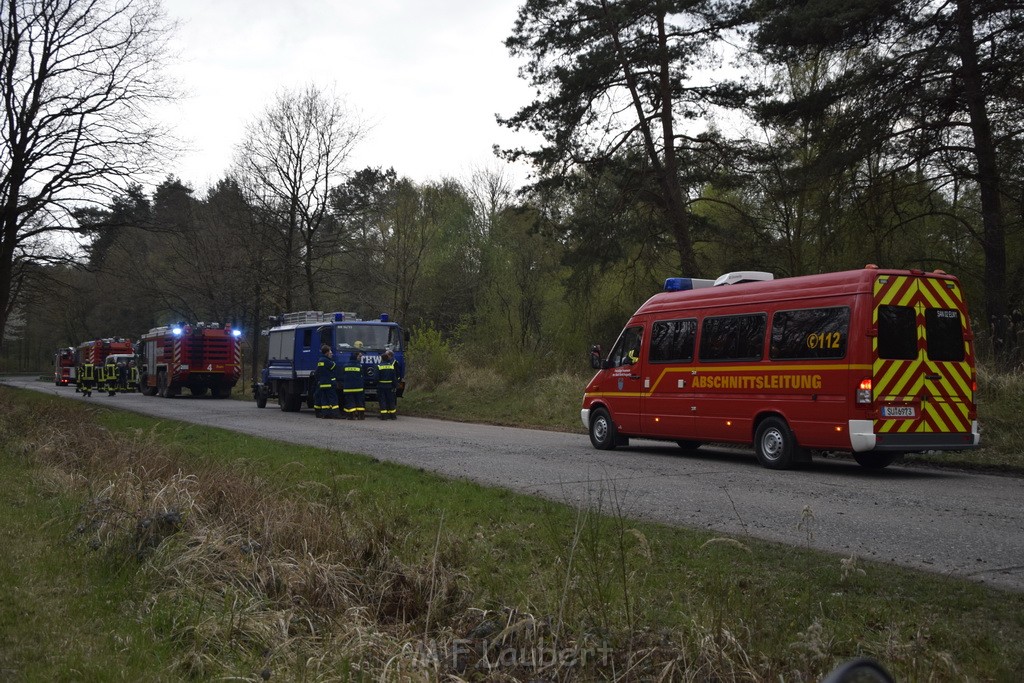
(775, 444)
(603, 434)
(876, 461)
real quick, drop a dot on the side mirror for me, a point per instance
(595, 357)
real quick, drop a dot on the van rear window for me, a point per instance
(733, 337)
(897, 333)
(944, 333)
(672, 340)
(810, 333)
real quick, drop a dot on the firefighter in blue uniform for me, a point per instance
(387, 379)
(354, 399)
(325, 398)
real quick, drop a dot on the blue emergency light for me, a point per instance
(383, 317)
(678, 284)
(176, 331)
(236, 333)
(339, 317)
(685, 284)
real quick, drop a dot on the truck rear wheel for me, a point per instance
(289, 400)
(145, 388)
(260, 394)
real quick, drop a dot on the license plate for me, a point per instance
(898, 411)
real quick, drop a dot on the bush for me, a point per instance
(431, 358)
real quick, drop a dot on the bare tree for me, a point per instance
(78, 78)
(287, 162)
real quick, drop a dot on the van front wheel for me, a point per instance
(602, 430)
(775, 444)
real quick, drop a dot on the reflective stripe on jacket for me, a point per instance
(353, 378)
(386, 374)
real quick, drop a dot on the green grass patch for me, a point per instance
(67, 611)
(215, 554)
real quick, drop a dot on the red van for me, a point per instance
(875, 362)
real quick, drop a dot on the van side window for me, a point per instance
(627, 349)
(897, 333)
(733, 337)
(810, 333)
(673, 340)
(944, 334)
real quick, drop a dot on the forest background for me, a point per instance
(862, 132)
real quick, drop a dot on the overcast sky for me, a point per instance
(428, 76)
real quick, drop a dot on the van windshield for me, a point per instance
(627, 349)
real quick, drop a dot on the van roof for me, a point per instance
(790, 288)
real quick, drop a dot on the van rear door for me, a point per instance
(923, 364)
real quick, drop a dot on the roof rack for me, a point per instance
(306, 317)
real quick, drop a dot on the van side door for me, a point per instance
(667, 409)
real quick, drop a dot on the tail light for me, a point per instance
(864, 391)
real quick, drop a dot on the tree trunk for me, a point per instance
(675, 205)
(993, 231)
(666, 169)
(310, 286)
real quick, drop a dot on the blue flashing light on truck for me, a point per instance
(293, 348)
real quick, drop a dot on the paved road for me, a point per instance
(957, 523)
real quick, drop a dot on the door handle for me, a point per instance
(634, 376)
(933, 377)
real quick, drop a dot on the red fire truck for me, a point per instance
(91, 369)
(64, 367)
(873, 362)
(202, 357)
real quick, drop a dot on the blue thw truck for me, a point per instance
(293, 348)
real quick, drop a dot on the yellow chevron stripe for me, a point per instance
(892, 287)
(899, 376)
(883, 382)
(885, 426)
(933, 412)
(929, 296)
(947, 417)
(908, 297)
(943, 295)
